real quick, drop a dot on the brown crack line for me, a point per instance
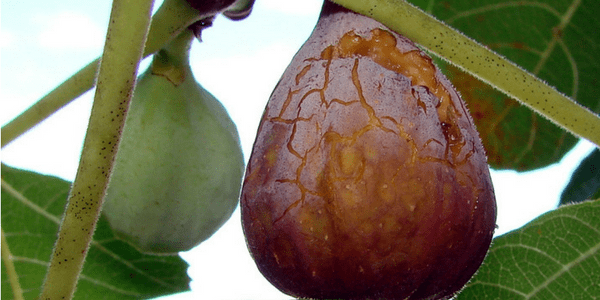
(382, 49)
(419, 69)
(374, 122)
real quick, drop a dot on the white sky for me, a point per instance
(44, 42)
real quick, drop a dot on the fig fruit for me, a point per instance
(179, 166)
(232, 9)
(367, 179)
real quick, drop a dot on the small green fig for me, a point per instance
(179, 166)
(367, 179)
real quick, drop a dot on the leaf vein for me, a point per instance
(130, 265)
(108, 286)
(498, 6)
(12, 191)
(565, 269)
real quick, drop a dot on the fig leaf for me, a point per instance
(556, 256)
(32, 205)
(585, 181)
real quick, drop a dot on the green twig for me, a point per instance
(171, 18)
(482, 63)
(53, 101)
(11, 272)
(125, 39)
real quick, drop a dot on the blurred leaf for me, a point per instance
(32, 205)
(556, 256)
(585, 181)
(557, 40)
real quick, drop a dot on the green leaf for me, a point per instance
(32, 205)
(585, 181)
(556, 40)
(556, 256)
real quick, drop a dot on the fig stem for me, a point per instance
(11, 272)
(169, 20)
(479, 61)
(123, 48)
(172, 61)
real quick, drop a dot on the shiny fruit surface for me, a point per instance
(367, 179)
(179, 166)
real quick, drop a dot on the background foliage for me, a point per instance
(32, 206)
(553, 257)
(556, 40)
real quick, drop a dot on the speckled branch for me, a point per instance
(125, 39)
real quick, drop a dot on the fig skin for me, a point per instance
(367, 179)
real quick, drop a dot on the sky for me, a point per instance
(42, 43)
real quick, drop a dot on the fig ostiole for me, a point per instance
(179, 167)
(367, 179)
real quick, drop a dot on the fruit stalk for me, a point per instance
(125, 39)
(475, 59)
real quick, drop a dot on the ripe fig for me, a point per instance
(367, 179)
(179, 166)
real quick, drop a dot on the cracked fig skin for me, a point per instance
(367, 178)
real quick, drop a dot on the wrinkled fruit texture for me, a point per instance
(179, 168)
(367, 178)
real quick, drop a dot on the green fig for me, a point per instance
(178, 170)
(367, 179)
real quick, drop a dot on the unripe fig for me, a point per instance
(179, 166)
(368, 179)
